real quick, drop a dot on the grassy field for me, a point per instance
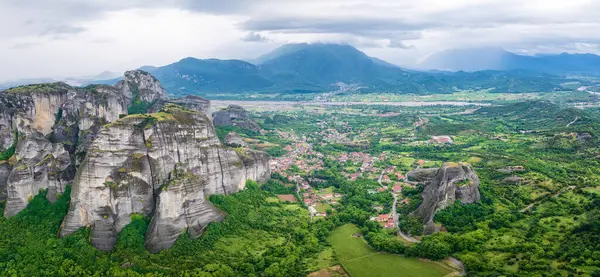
(328, 190)
(322, 207)
(360, 260)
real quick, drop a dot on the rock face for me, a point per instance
(233, 139)
(84, 113)
(164, 165)
(141, 85)
(166, 162)
(38, 164)
(192, 102)
(29, 109)
(182, 205)
(443, 186)
(234, 115)
(55, 124)
(5, 170)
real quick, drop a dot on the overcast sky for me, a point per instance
(53, 38)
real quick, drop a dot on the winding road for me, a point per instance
(458, 264)
(402, 234)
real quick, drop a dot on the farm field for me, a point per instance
(360, 260)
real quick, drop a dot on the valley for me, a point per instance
(123, 180)
(300, 138)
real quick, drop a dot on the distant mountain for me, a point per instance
(476, 59)
(303, 68)
(148, 68)
(323, 64)
(211, 75)
(103, 75)
(73, 81)
(20, 82)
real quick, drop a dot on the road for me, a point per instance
(458, 264)
(406, 237)
(402, 234)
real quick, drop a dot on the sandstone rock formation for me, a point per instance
(443, 186)
(29, 109)
(135, 166)
(163, 165)
(38, 164)
(56, 124)
(234, 115)
(5, 170)
(141, 85)
(192, 102)
(181, 205)
(233, 139)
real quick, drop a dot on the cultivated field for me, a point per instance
(360, 260)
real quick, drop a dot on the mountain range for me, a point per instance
(476, 59)
(74, 81)
(305, 68)
(312, 68)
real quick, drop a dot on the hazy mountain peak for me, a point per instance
(495, 58)
(467, 59)
(299, 47)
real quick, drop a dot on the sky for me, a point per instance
(59, 38)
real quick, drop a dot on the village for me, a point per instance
(300, 159)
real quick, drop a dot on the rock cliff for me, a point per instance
(167, 162)
(56, 124)
(193, 102)
(5, 170)
(233, 139)
(38, 164)
(141, 85)
(443, 186)
(163, 165)
(234, 115)
(143, 91)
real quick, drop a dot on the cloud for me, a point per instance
(61, 30)
(24, 45)
(368, 27)
(399, 44)
(254, 37)
(114, 35)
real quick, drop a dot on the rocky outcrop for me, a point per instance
(56, 124)
(135, 166)
(193, 102)
(141, 85)
(84, 113)
(163, 165)
(584, 136)
(5, 170)
(38, 164)
(28, 109)
(143, 91)
(181, 205)
(233, 139)
(443, 186)
(234, 115)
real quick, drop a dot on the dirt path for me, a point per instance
(458, 264)
(543, 200)
(574, 120)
